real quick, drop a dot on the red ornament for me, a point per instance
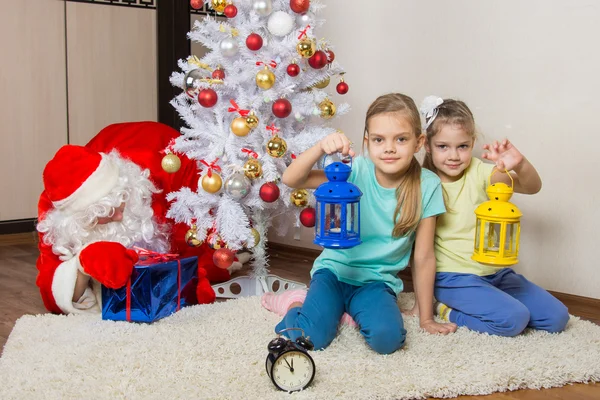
(254, 41)
(230, 11)
(207, 98)
(307, 217)
(299, 6)
(293, 69)
(269, 192)
(318, 60)
(330, 56)
(342, 87)
(223, 258)
(282, 108)
(196, 4)
(218, 74)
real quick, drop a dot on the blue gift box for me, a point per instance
(155, 290)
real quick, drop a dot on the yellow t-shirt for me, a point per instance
(455, 231)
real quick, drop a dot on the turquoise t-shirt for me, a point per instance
(379, 257)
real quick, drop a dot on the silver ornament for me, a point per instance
(304, 19)
(237, 185)
(191, 82)
(263, 7)
(229, 47)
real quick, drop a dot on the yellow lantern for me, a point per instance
(498, 227)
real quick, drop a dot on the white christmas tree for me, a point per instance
(258, 97)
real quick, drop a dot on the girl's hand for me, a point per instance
(433, 327)
(504, 154)
(337, 142)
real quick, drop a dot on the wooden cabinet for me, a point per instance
(112, 73)
(33, 99)
(68, 70)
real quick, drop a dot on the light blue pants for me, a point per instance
(373, 307)
(504, 303)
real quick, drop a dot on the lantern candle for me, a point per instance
(338, 209)
(498, 227)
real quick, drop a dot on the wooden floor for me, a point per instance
(19, 296)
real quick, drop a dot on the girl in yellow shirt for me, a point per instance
(481, 297)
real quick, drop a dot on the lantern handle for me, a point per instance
(326, 155)
(494, 170)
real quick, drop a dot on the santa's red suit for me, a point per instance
(77, 177)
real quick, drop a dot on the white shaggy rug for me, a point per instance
(218, 351)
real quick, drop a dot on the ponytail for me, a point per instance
(408, 209)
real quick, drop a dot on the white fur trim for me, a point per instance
(63, 286)
(96, 186)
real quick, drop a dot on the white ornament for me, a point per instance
(229, 47)
(304, 19)
(263, 7)
(280, 23)
(298, 117)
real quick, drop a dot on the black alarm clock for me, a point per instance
(288, 364)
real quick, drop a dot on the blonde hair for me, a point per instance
(408, 193)
(450, 112)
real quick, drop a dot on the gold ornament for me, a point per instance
(265, 79)
(212, 184)
(322, 84)
(327, 109)
(253, 168)
(299, 197)
(239, 126)
(276, 147)
(306, 47)
(219, 5)
(256, 236)
(215, 243)
(170, 163)
(252, 120)
(191, 237)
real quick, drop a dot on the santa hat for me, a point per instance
(77, 177)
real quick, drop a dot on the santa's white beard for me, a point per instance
(69, 233)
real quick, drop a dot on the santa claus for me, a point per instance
(102, 199)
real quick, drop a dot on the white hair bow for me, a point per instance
(429, 109)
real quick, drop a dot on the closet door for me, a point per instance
(33, 104)
(112, 72)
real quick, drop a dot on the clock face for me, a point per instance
(293, 370)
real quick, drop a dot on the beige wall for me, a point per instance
(529, 71)
(105, 55)
(33, 118)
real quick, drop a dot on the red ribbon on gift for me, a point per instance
(153, 257)
(211, 166)
(243, 113)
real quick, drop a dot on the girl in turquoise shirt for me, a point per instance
(399, 206)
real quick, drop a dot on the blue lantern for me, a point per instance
(338, 209)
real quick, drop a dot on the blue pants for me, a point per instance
(504, 303)
(373, 307)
